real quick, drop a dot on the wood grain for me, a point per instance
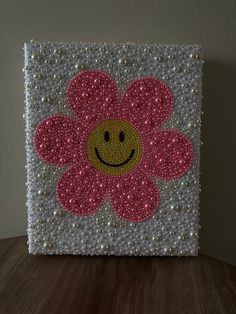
(119, 285)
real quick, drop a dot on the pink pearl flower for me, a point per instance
(146, 105)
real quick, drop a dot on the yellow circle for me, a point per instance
(114, 147)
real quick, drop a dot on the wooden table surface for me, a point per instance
(121, 285)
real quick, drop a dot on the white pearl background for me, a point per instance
(51, 229)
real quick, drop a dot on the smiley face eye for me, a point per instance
(106, 136)
(122, 136)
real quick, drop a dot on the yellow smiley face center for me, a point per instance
(114, 147)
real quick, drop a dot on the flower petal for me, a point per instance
(81, 189)
(171, 154)
(134, 197)
(92, 94)
(57, 140)
(148, 101)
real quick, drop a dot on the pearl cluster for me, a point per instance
(91, 94)
(149, 98)
(172, 155)
(57, 140)
(173, 230)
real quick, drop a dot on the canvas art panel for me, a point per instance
(113, 148)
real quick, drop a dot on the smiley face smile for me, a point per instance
(114, 165)
(114, 147)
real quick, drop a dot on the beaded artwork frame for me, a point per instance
(113, 148)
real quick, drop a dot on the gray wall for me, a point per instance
(210, 23)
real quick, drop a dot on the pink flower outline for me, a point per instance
(146, 104)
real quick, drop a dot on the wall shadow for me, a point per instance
(218, 158)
